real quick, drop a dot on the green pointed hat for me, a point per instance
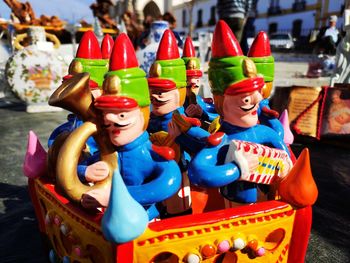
(125, 85)
(229, 70)
(168, 71)
(260, 53)
(89, 59)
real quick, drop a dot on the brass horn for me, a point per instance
(74, 95)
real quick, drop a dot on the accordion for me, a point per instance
(258, 163)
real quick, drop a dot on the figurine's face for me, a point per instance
(164, 102)
(193, 84)
(241, 109)
(123, 125)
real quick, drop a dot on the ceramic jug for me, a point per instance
(35, 71)
(147, 55)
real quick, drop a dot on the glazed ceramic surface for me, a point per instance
(147, 55)
(34, 74)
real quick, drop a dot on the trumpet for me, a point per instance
(74, 95)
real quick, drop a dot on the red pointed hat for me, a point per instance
(224, 42)
(133, 89)
(191, 61)
(260, 46)
(189, 50)
(89, 47)
(107, 46)
(123, 54)
(168, 47)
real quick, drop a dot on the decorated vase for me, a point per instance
(147, 55)
(34, 72)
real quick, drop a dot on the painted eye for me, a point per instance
(157, 93)
(121, 115)
(246, 100)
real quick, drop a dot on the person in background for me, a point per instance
(142, 39)
(133, 29)
(329, 37)
(234, 13)
(172, 25)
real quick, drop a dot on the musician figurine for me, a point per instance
(260, 54)
(148, 171)
(195, 105)
(92, 59)
(239, 150)
(167, 83)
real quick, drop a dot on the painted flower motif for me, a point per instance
(33, 75)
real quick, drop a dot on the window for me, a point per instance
(184, 18)
(272, 28)
(299, 5)
(296, 30)
(199, 18)
(274, 8)
(212, 20)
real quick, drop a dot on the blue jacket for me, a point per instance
(69, 126)
(208, 167)
(269, 121)
(191, 142)
(149, 178)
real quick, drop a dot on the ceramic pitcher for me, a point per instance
(147, 55)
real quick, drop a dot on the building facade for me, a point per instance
(298, 17)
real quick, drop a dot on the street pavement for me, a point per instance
(19, 234)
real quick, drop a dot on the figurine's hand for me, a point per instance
(194, 110)
(96, 172)
(95, 198)
(173, 130)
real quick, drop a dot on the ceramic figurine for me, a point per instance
(236, 87)
(138, 176)
(147, 170)
(260, 54)
(167, 83)
(195, 106)
(147, 54)
(92, 59)
(89, 59)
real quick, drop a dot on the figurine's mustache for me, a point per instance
(120, 125)
(248, 109)
(157, 100)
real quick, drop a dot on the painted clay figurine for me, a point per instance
(92, 59)
(237, 93)
(167, 83)
(147, 170)
(260, 54)
(195, 105)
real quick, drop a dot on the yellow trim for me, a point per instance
(104, 30)
(81, 233)
(181, 241)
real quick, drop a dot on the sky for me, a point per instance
(69, 10)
